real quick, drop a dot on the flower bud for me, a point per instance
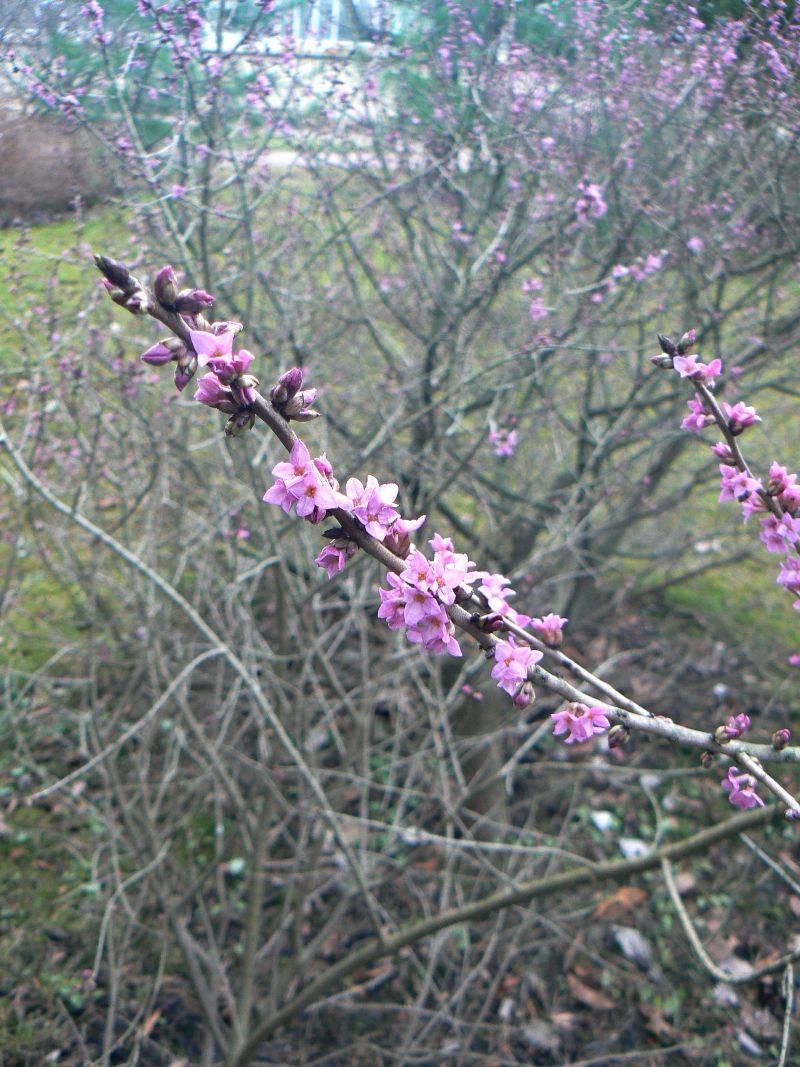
(165, 287)
(523, 696)
(492, 623)
(116, 273)
(286, 386)
(192, 301)
(781, 738)
(664, 362)
(706, 759)
(687, 341)
(734, 727)
(185, 371)
(225, 326)
(667, 347)
(158, 354)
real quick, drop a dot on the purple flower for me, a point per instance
(736, 726)
(373, 505)
(210, 346)
(741, 789)
(580, 723)
(212, 392)
(789, 576)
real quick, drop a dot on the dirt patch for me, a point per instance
(47, 163)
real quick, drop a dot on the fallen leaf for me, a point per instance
(624, 899)
(150, 1022)
(592, 998)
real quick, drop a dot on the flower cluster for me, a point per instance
(306, 485)
(778, 503)
(580, 722)
(417, 598)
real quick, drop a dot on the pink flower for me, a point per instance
(736, 726)
(372, 505)
(504, 440)
(511, 664)
(691, 367)
(550, 627)
(736, 485)
(699, 418)
(212, 392)
(789, 576)
(579, 722)
(779, 534)
(740, 416)
(333, 557)
(210, 346)
(695, 245)
(741, 789)
(393, 602)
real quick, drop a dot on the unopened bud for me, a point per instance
(781, 738)
(165, 287)
(706, 759)
(117, 273)
(492, 622)
(240, 422)
(286, 386)
(192, 301)
(523, 696)
(185, 371)
(687, 341)
(665, 362)
(158, 354)
(667, 346)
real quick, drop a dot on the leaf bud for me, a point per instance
(237, 424)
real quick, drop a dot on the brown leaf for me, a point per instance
(624, 899)
(592, 998)
(150, 1022)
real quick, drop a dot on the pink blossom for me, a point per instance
(333, 558)
(741, 789)
(736, 485)
(736, 725)
(504, 440)
(789, 576)
(212, 392)
(512, 662)
(699, 418)
(579, 722)
(373, 505)
(691, 367)
(393, 602)
(695, 245)
(779, 534)
(210, 346)
(550, 628)
(740, 416)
